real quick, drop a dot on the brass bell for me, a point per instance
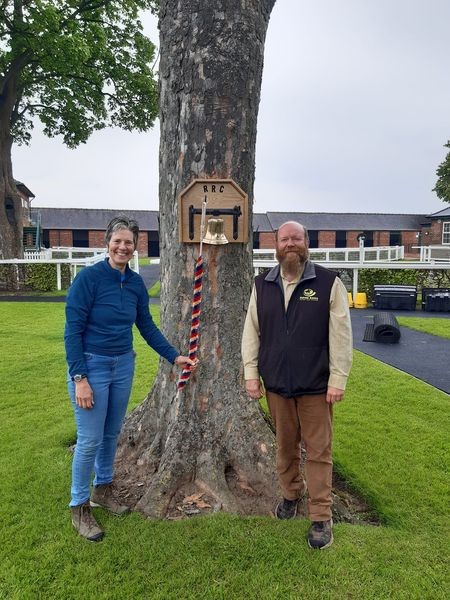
(214, 233)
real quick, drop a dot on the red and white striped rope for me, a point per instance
(196, 307)
(195, 322)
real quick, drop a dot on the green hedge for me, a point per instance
(11, 276)
(421, 278)
(42, 277)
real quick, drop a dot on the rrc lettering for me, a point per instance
(213, 188)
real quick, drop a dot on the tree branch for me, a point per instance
(87, 6)
(17, 65)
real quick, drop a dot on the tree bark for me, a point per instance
(11, 225)
(11, 213)
(212, 437)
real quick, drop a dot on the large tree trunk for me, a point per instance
(11, 224)
(212, 437)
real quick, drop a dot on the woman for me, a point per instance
(103, 303)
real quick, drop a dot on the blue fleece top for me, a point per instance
(100, 312)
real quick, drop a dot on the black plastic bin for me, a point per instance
(394, 297)
(436, 299)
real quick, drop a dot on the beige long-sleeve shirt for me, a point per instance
(340, 338)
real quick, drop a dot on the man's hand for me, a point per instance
(334, 395)
(253, 388)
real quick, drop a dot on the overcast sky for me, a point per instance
(354, 113)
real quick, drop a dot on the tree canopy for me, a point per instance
(442, 187)
(77, 65)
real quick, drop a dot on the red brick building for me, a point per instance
(86, 227)
(341, 230)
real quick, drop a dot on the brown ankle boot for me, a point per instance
(84, 522)
(320, 534)
(104, 495)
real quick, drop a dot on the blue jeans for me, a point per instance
(98, 428)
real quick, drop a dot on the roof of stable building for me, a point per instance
(350, 221)
(98, 218)
(93, 218)
(445, 212)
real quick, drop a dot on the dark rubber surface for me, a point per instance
(424, 356)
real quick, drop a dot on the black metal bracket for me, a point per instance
(215, 212)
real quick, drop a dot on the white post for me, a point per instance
(58, 276)
(136, 261)
(355, 283)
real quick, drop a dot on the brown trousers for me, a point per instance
(307, 419)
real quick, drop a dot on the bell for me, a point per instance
(214, 233)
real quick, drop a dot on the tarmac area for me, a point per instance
(422, 355)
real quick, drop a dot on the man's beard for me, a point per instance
(292, 261)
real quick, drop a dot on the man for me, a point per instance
(297, 338)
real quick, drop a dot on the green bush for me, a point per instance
(12, 277)
(42, 277)
(421, 278)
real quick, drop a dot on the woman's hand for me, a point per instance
(185, 361)
(83, 394)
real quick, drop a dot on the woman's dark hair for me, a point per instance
(122, 222)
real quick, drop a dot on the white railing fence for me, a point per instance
(382, 257)
(434, 254)
(71, 252)
(328, 255)
(357, 259)
(66, 256)
(35, 255)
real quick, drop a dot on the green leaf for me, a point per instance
(78, 66)
(442, 187)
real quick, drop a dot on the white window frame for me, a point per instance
(446, 232)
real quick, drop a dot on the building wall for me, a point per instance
(26, 206)
(96, 239)
(327, 239)
(63, 237)
(60, 237)
(409, 240)
(266, 240)
(381, 238)
(142, 246)
(435, 234)
(352, 239)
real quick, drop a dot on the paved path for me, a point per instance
(424, 356)
(150, 274)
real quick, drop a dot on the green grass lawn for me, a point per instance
(433, 325)
(391, 443)
(155, 290)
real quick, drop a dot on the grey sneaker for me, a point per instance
(84, 522)
(104, 496)
(320, 534)
(286, 509)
